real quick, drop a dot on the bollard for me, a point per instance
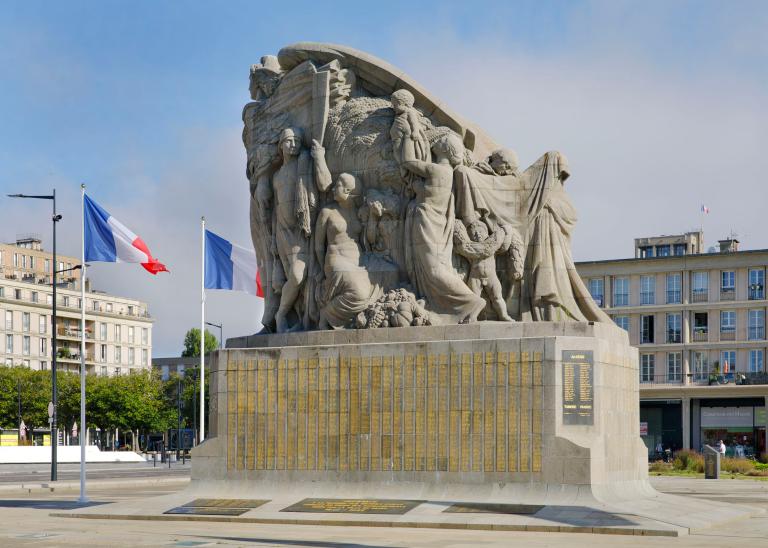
(154, 460)
(169, 458)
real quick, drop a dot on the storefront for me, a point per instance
(739, 423)
(660, 423)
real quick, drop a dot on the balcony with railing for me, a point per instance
(669, 378)
(70, 333)
(674, 336)
(699, 296)
(674, 296)
(756, 333)
(756, 292)
(700, 335)
(728, 334)
(727, 293)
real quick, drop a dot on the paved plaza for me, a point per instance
(28, 521)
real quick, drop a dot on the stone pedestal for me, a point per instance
(492, 411)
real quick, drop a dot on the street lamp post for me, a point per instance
(221, 332)
(193, 374)
(54, 390)
(178, 417)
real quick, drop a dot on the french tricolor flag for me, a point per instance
(110, 241)
(229, 266)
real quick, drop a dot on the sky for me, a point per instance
(660, 108)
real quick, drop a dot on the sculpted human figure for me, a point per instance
(345, 289)
(295, 195)
(429, 226)
(476, 245)
(407, 129)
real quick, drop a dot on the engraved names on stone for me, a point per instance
(578, 390)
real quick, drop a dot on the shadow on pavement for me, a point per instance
(49, 504)
(314, 543)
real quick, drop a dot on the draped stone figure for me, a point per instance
(430, 221)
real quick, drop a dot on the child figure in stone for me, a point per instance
(476, 245)
(407, 128)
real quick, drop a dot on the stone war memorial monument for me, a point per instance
(426, 337)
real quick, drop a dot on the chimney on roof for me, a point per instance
(729, 245)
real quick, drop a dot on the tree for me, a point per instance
(192, 343)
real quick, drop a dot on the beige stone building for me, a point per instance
(118, 329)
(698, 320)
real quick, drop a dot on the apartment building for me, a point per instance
(118, 330)
(698, 320)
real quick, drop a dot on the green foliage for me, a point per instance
(192, 343)
(685, 459)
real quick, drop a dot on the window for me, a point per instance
(700, 366)
(756, 284)
(674, 328)
(95, 305)
(165, 372)
(2, 292)
(700, 326)
(663, 250)
(118, 352)
(727, 362)
(49, 299)
(620, 291)
(130, 310)
(728, 324)
(674, 294)
(680, 249)
(42, 324)
(117, 333)
(646, 329)
(756, 324)
(727, 285)
(144, 335)
(23, 261)
(65, 301)
(43, 347)
(103, 355)
(25, 345)
(33, 297)
(131, 356)
(646, 251)
(26, 363)
(117, 371)
(103, 331)
(700, 287)
(9, 320)
(25, 322)
(647, 289)
(47, 266)
(9, 344)
(674, 367)
(31, 262)
(103, 371)
(144, 357)
(61, 266)
(647, 367)
(130, 334)
(622, 321)
(595, 289)
(69, 266)
(43, 366)
(9, 362)
(109, 307)
(755, 361)
(17, 294)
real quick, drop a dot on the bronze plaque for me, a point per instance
(578, 391)
(490, 508)
(217, 507)
(354, 506)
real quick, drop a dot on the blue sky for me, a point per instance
(660, 107)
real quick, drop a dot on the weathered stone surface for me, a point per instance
(480, 412)
(374, 206)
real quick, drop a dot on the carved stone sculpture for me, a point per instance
(429, 220)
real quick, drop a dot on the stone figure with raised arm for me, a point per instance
(344, 288)
(407, 130)
(429, 228)
(295, 185)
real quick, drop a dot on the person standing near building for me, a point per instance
(721, 448)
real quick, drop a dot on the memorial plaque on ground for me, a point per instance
(490, 508)
(578, 389)
(217, 507)
(354, 506)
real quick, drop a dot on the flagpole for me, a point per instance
(202, 329)
(83, 429)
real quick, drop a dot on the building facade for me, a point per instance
(118, 330)
(698, 320)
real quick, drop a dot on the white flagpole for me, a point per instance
(202, 329)
(83, 427)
